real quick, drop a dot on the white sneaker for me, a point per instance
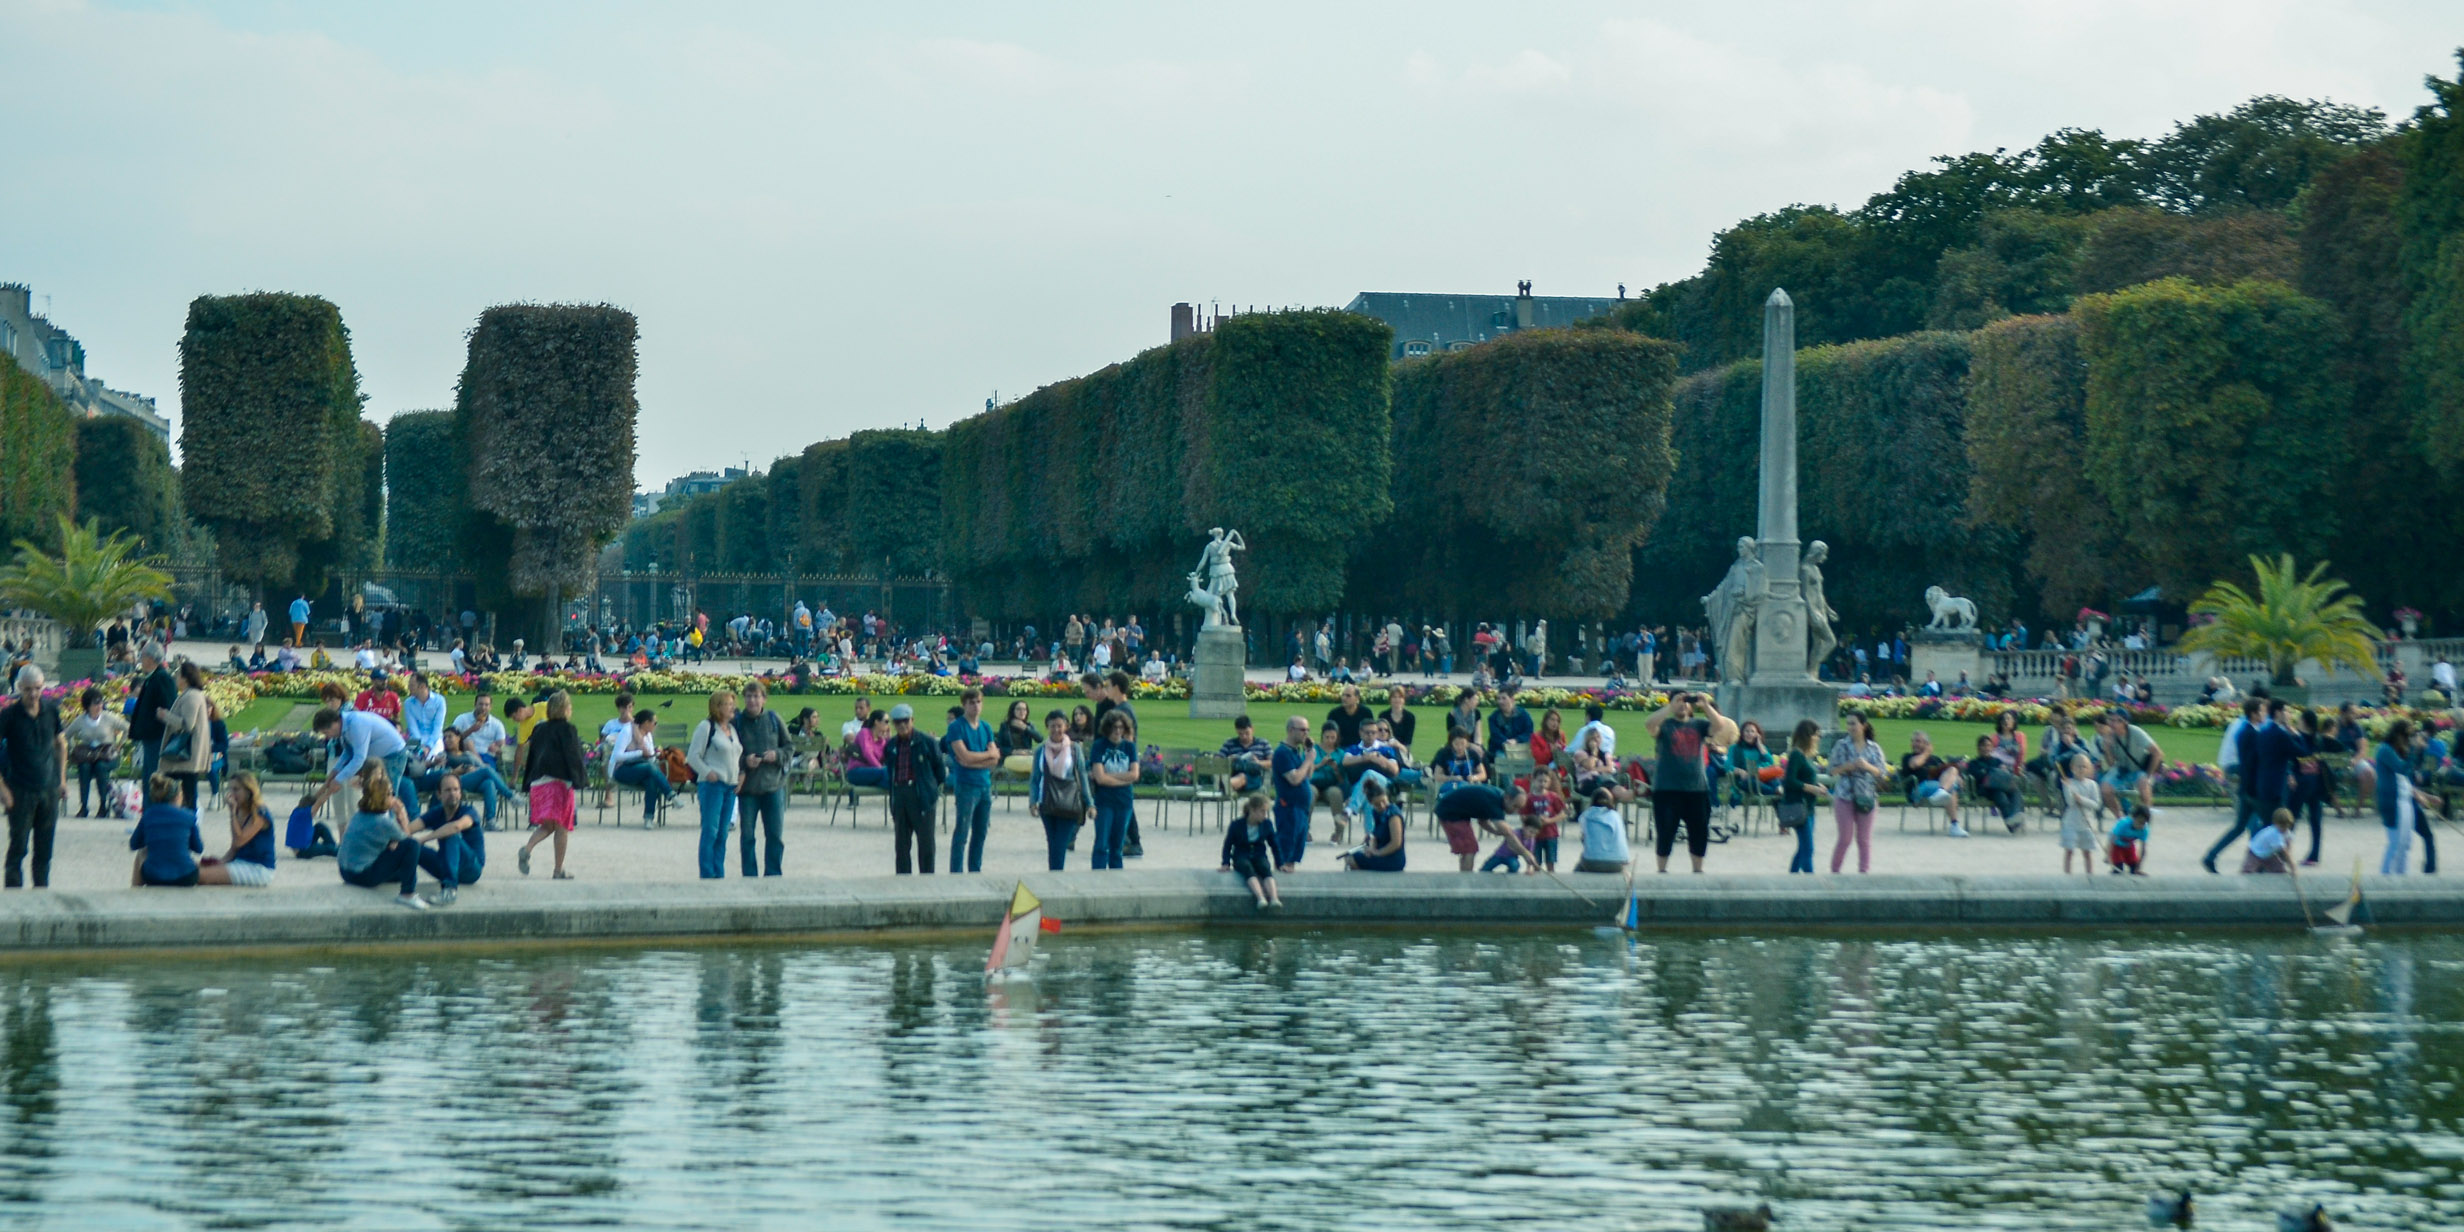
(444, 897)
(412, 901)
(1958, 831)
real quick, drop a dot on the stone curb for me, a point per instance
(581, 912)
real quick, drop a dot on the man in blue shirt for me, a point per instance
(299, 622)
(363, 737)
(1508, 724)
(423, 716)
(1294, 760)
(2265, 752)
(972, 755)
(460, 853)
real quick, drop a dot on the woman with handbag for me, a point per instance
(1799, 788)
(94, 738)
(188, 734)
(1858, 766)
(1058, 789)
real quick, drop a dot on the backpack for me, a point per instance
(291, 756)
(1065, 794)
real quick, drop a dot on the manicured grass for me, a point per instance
(1167, 723)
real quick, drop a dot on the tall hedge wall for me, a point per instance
(2430, 210)
(1716, 433)
(1883, 460)
(37, 449)
(269, 433)
(546, 411)
(424, 492)
(2215, 423)
(1595, 405)
(125, 481)
(2027, 453)
(1095, 492)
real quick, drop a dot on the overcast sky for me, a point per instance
(833, 217)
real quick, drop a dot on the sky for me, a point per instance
(830, 217)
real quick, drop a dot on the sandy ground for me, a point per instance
(92, 854)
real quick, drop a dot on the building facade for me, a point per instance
(685, 486)
(1424, 324)
(59, 360)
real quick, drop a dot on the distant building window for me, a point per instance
(1458, 345)
(1501, 319)
(1415, 348)
(8, 338)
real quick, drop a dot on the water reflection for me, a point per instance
(1248, 1079)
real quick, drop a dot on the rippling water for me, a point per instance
(1243, 1081)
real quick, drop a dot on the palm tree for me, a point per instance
(92, 579)
(2291, 619)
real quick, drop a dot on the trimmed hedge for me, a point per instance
(546, 411)
(2027, 450)
(1716, 433)
(125, 481)
(1562, 543)
(38, 443)
(2216, 423)
(1095, 492)
(424, 492)
(2431, 212)
(269, 435)
(1883, 466)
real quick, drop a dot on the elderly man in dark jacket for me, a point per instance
(154, 696)
(913, 763)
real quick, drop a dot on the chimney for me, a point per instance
(1184, 321)
(1522, 304)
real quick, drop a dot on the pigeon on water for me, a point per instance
(1737, 1219)
(2169, 1210)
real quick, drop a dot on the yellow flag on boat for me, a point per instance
(1014, 946)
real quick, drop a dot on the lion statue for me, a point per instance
(1950, 611)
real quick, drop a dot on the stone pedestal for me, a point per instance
(1215, 673)
(1946, 655)
(1780, 706)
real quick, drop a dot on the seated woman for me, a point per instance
(1604, 836)
(1382, 850)
(250, 859)
(1930, 777)
(635, 763)
(1249, 851)
(167, 837)
(1753, 769)
(378, 847)
(864, 768)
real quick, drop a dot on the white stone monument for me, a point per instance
(1767, 605)
(1221, 660)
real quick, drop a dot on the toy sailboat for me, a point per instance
(2346, 918)
(1014, 946)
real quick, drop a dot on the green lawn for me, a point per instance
(1167, 723)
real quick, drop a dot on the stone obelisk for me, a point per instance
(1781, 687)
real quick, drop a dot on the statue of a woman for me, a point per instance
(1820, 640)
(1731, 607)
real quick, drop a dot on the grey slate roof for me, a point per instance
(1454, 321)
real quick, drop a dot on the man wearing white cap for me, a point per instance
(912, 762)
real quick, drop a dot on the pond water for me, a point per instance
(1237, 1080)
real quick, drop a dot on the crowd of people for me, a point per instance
(1504, 786)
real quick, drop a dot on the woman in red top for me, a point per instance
(1550, 741)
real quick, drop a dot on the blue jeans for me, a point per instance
(650, 780)
(491, 787)
(399, 863)
(1058, 835)
(1359, 802)
(1111, 829)
(869, 776)
(718, 801)
(1291, 833)
(149, 758)
(973, 819)
(451, 862)
(1803, 861)
(398, 765)
(770, 809)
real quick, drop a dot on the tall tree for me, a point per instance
(546, 410)
(2430, 210)
(425, 492)
(2258, 156)
(270, 438)
(38, 443)
(125, 481)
